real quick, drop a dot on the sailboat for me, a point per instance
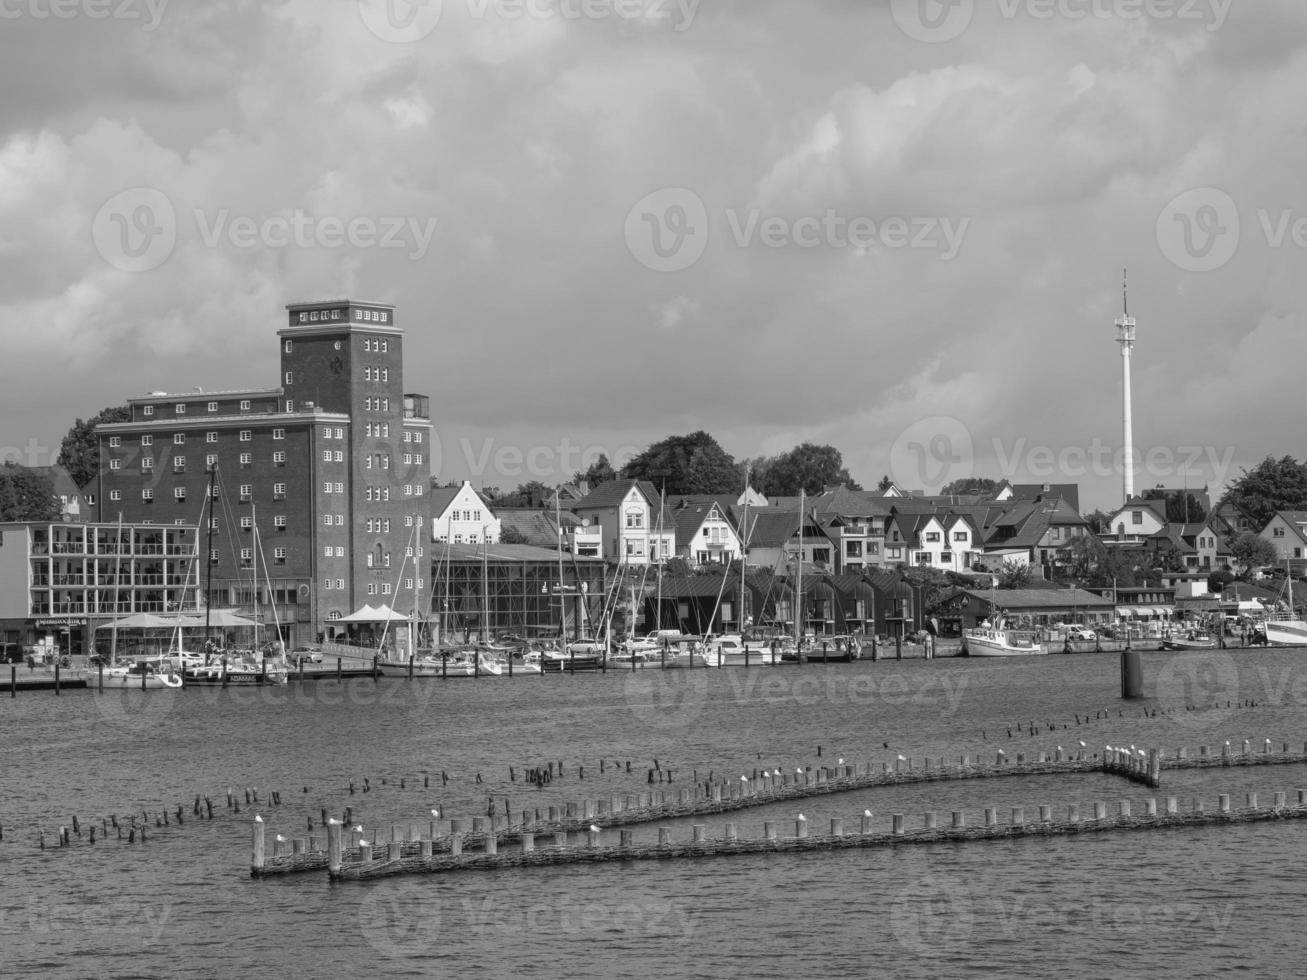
(142, 675)
(996, 639)
(1292, 630)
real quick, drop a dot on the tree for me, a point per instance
(531, 494)
(1081, 558)
(693, 464)
(26, 496)
(600, 471)
(1182, 507)
(1014, 574)
(511, 535)
(1251, 551)
(885, 483)
(1272, 485)
(809, 468)
(1100, 522)
(79, 453)
(969, 486)
(1219, 579)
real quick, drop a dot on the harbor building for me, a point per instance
(311, 495)
(59, 581)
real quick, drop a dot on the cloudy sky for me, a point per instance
(895, 227)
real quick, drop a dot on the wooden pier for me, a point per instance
(398, 858)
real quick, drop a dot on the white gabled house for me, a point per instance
(635, 526)
(460, 516)
(704, 535)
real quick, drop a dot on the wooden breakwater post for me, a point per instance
(257, 861)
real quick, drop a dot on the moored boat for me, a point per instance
(990, 641)
(1192, 640)
(143, 676)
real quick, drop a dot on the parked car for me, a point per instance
(1080, 633)
(309, 655)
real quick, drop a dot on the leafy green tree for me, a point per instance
(885, 483)
(1182, 507)
(79, 453)
(1251, 551)
(1100, 522)
(600, 471)
(1270, 486)
(1219, 579)
(808, 467)
(969, 486)
(531, 494)
(692, 464)
(511, 535)
(26, 496)
(1081, 558)
(1014, 574)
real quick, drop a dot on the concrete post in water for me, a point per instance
(896, 822)
(1125, 808)
(628, 837)
(1150, 808)
(768, 830)
(732, 834)
(991, 816)
(593, 837)
(455, 846)
(1252, 801)
(1045, 813)
(394, 851)
(365, 852)
(492, 843)
(297, 846)
(333, 846)
(1100, 811)
(424, 849)
(958, 819)
(1073, 813)
(931, 820)
(1172, 805)
(866, 822)
(801, 826)
(1224, 799)
(257, 831)
(1279, 801)
(836, 827)
(1018, 816)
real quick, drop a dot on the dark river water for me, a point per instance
(1200, 902)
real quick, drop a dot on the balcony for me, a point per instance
(417, 407)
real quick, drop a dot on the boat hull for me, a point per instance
(1000, 643)
(1286, 632)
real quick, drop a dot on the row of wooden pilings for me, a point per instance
(364, 859)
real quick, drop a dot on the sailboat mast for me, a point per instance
(798, 581)
(208, 565)
(562, 607)
(117, 567)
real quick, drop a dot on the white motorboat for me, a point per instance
(143, 677)
(730, 650)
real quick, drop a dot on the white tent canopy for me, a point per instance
(374, 614)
